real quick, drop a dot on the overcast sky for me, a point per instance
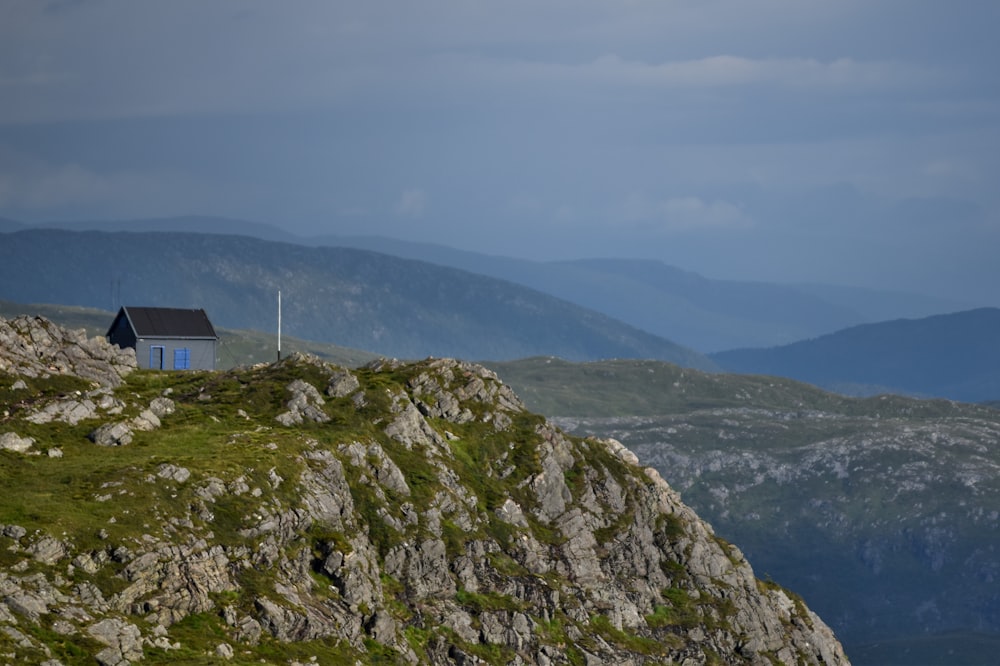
(846, 141)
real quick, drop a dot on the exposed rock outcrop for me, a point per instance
(35, 347)
(306, 404)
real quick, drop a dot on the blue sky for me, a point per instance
(843, 141)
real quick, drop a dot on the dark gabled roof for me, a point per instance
(167, 322)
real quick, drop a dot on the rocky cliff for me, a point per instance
(303, 513)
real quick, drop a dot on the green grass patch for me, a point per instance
(623, 639)
(679, 611)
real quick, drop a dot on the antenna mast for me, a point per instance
(279, 324)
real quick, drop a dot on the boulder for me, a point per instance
(342, 384)
(306, 404)
(10, 441)
(36, 347)
(112, 434)
(124, 641)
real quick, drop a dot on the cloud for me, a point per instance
(38, 190)
(412, 203)
(65, 185)
(727, 70)
(720, 71)
(683, 214)
(726, 117)
(255, 56)
(694, 213)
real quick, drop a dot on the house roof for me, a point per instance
(167, 322)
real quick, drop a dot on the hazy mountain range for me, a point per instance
(397, 306)
(355, 298)
(954, 356)
(703, 314)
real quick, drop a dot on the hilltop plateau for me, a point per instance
(300, 512)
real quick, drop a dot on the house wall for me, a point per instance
(200, 356)
(122, 334)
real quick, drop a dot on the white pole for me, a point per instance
(279, 324)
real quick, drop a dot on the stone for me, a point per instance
(14, 531)
(510, 512)
(70, 411)
(124, 641)
(146, 421)
(48, 550)
(423, 568)
(112, 434)
(10, 441)
(410, 427)
(342, 384)
(306, 404)
(173, 473)
(162, 406)
(36, 347)
(31, 606)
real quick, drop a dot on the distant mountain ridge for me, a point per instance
(954, 356)
(355, 298)
(704, 314)
(197, 224)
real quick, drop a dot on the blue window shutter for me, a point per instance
(182, 359)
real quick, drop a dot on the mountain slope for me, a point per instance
(881, 511)
(952, 356)
(298, 512)
(354, 298)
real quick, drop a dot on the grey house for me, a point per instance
(166, 338)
